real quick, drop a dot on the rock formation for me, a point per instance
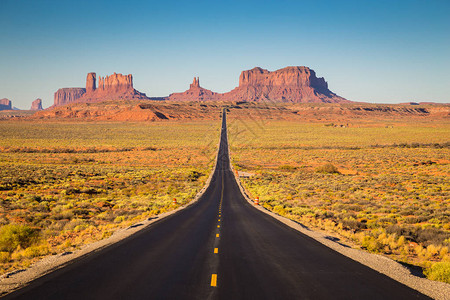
(91, 82)
(5, 104)
(195, 83)
(195, 93)
(36, 105)
(291, 84)
(68, 95)
(113, 87)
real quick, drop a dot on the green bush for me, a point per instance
(439, 271)
(14, 235)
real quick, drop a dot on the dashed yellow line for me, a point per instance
(218, 226)
(214, 280)
(217, 235)
(219, 220)
(216, 250)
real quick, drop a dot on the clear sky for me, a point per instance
(373, 51)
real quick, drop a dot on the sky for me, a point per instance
(372, 51)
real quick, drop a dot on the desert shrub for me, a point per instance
(36, 251)
(15, 235)
(353, 224)
(287, 168)
(4, 256)
(439, 271)
(194, 175)
(371, 244)
(328, 169)
(431, 235)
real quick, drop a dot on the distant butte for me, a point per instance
(36, 104)
(195, 93)
(5, 104)
(113, 87)
(291, 84)
(65, 96)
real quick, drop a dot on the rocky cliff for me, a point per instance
(113, 87)
(195, 93)
(36, 105)
(5, 104)
(68, 95)
(290, 84)
(91, 85)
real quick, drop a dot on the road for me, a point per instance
(218, 248)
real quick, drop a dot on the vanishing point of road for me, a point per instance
(218, 248)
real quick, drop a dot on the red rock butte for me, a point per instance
(36, 104)
(195, 93)
(291, 84)
(113, 87)
(5, 104)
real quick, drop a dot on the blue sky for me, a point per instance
(374, 51)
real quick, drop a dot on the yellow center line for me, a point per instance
(214, 280)
(218, 226)
(216, 250)
(219, 220)
(217, 235)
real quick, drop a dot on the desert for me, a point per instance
(224, 150)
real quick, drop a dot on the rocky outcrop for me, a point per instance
(36, 105)
(116, 83)
(91, 82)
(195, 83)
(5, 104)
(195, 93)
(68, 95)
(291, 84)
(113, 87)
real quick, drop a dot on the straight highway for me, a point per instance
(218, 248)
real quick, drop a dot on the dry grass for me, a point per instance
(66, 184)
(383, 187)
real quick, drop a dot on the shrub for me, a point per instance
(14, 235)
(439, 271)
(328, 169)
(287, 168)
(194, 175)
(4, 256)
(36, 251)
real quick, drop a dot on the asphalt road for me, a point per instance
(218, 248)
